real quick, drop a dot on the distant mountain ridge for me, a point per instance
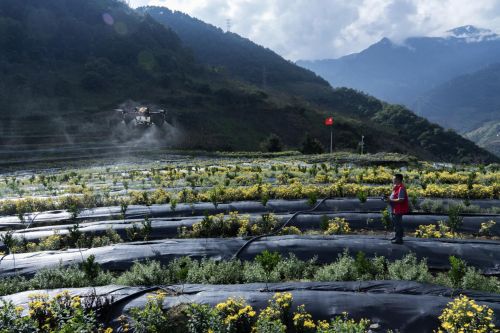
(464, 102)
(67, 64)
(470, 104)
(452, 80)
(401, 72)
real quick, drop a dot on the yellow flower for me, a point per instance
(447, 325)
(323, 324)
(309, 324)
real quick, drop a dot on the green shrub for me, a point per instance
(140, 231)
(70, 277)
(202, 318)
(268, 261)
(364, 266)
(386, 219)
(312, 198)
(342, 269)
(347, 268)
(254, 272)
(109, 238)
(148, 273)
(457, 271)
(474, 280)
(272, 144)
(454, 221)
(409, 268)
(12, 285)
(311, 145)
(342, 324)
(293, 269)
(178, 269)
(432, 206)
(216, 272)
(362, 196)
(267, 325)
(151, 319)
(324, 222)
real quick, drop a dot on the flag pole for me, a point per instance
(329, 122)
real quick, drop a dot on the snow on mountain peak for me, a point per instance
(472, 33)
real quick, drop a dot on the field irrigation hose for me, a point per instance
(273, 233)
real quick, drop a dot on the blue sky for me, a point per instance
(319, 29)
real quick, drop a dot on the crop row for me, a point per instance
(112, 180)
(217, 195)
(268, 267)
(283, 312)
(97, 234)
(483, 255)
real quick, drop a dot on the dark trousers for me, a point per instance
(397, 222)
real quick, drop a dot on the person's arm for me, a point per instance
(401, 196)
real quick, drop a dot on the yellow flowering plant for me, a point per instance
(278, 308)
(485, 228)
(441, 230)
(62, 313)
(464, 315)
(238, 317)
(302, 321)
(11, 316)
(337, 226)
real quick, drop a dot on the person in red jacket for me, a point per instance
(399, 207)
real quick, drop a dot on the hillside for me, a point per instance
(465, 102)
(401, 72)
(63, 65)
(214, 47)
(69, 63)
(63, 77)
(469, 104)
(237, 56)
(487, 136)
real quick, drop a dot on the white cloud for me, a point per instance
(317, 29)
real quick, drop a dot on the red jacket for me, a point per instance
(400, 207)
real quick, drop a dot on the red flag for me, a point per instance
(329, 121)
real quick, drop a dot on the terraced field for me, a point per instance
(238, 243)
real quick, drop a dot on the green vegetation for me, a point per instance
(74, 239)
(62, 313)
(270, 267)
(232, 179)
